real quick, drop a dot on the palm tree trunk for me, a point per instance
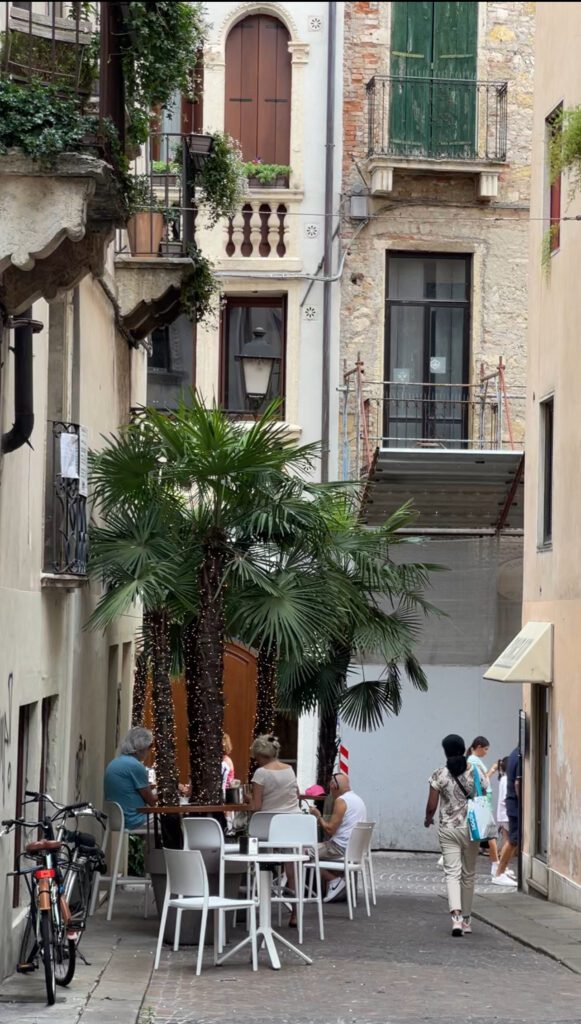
(266, 676)
(328, 746)
(163, 710)
(204, 670)
(139, 689)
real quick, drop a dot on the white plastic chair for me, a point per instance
(259, 824)
(301, 831)
(187, 889)
(370, 864)
(356, 860)
(116, 824)
(205, 835)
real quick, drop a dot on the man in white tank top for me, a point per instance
(348, 810)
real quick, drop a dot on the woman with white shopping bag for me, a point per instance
(459, 789)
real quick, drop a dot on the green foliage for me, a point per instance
(165, 167)
(265, 173)
(43, 120)
(63, 62)
(200, 288)
(222, 182)
(159, 50)
(547, 248)
(136, 856)
(565, 147)
(141, 197)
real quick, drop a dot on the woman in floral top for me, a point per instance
(451, 787)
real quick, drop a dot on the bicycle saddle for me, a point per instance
(43, 845)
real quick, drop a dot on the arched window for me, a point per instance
(258, 88)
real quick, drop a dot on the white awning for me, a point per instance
(528, 658)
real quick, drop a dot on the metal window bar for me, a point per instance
(66, 545)
(437, 118)
(49, 46)
(165, 174)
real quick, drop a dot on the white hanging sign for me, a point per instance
(69, 456)
(83, 461)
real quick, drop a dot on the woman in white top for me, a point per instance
(274, 789)
(475, 753)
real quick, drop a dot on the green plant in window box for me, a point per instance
(200, 290)
(565, 147)
(261, 174)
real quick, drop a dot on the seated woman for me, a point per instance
(274, 789)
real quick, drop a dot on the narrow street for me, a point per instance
(401, 966)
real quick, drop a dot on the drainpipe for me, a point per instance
(24, 328)
(328, 246)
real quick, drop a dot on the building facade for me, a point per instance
(437, 126)
(552, 796)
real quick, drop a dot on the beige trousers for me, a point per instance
(459, 853)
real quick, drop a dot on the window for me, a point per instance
(433, 69)
(427, 349)
(242, 319)
(24, 769)
(546, 475)
(258, 88)
(552, 132)
(171, 364)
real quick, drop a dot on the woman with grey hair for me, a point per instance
(274, 789)
(126, 778)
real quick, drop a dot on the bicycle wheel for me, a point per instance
(65, 956)
(47, 954)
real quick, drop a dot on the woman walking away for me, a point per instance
(476, 751)
(452, 787)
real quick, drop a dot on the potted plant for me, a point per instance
(165, 172)
(262, 175)
(146, 222)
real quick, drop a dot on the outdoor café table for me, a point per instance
(265, 863)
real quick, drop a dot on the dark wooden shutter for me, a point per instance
(454, 58)
(411, 55)
(258, 88)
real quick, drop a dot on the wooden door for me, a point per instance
(239, 710)
(411, 55)
(258, 88)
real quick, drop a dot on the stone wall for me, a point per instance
(432, 212)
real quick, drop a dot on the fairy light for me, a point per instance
(139, 689)
(266, 665)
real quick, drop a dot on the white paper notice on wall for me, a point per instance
(438, 364)
(70, 456)
(83, 461)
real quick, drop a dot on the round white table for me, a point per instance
(265, 862)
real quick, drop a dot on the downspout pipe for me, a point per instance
(328, 241)
(24, 328)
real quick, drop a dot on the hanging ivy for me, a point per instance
(159, 49)
(565, 147)
(222, 182)
(199, 294)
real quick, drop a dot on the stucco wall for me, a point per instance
(45, 650)
(552, 578)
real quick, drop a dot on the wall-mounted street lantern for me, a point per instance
(257, 367)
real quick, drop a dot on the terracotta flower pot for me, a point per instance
(145, 232)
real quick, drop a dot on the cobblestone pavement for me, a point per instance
(401, 966)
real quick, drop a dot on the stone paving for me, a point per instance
(401, 966)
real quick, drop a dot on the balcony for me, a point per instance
(58, 211)
(151, 252)
(66, 527)
(437, 126)
(265, 232)
(455, 450)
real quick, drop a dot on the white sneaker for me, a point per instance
(457, 926)
(506, 880)
(440, 862)
(334, 890)
(494, 868)
(466, 926)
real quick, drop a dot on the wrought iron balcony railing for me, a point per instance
(437, 118)
(66, 531)
(164, 180)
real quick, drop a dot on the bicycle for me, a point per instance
(84, 858)
(45, 937)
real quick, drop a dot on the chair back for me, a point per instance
(186, 873)
(259, 824)
(372, 826)
(299, 828)
(359, 841)
(115, 816)
(205, 835)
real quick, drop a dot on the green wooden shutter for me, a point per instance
(411, 56)
(454, 58)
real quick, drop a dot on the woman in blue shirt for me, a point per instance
(475, 753)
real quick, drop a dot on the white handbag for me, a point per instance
(480, 818)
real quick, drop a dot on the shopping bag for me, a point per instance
(480, 818)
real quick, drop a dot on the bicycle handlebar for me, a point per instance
(65, 809)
